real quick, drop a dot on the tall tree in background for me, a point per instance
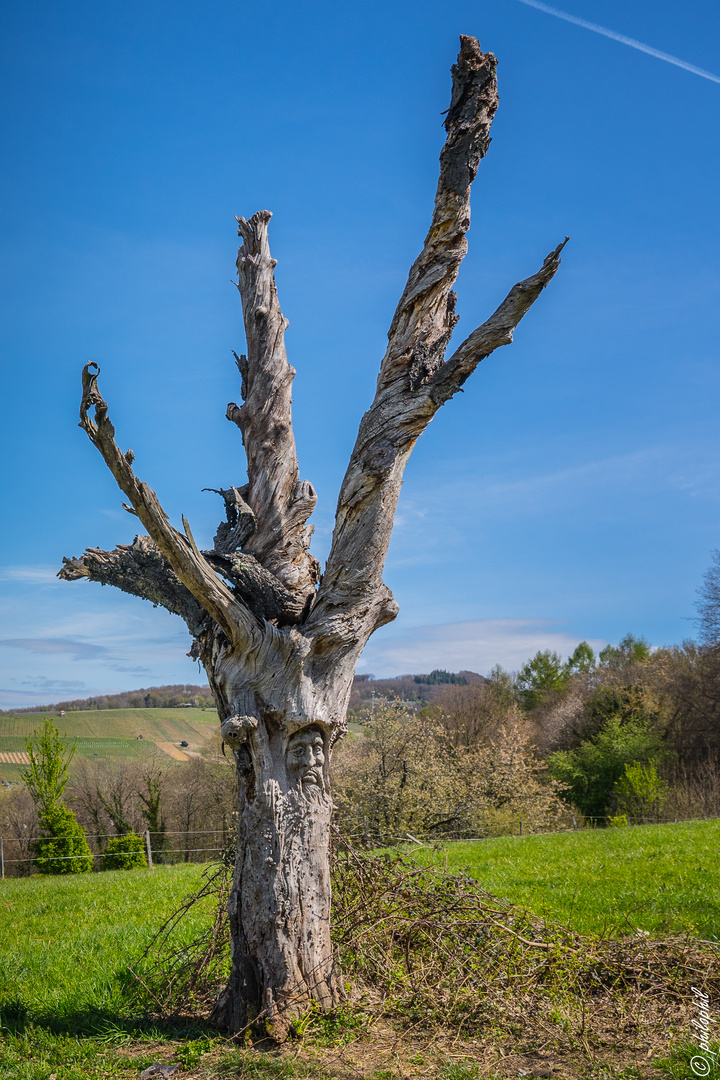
(708, 603)
(62, 846)
(279, 641)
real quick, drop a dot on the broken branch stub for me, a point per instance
(142, 570)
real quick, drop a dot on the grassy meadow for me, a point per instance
(661, 879)
(65, 948)
(67, 945)
(68, 940)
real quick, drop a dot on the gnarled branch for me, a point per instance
(239, 624)
(240, 524)
(263, 593)
(415, 379)
(281, 502)
(425, 316)
(140, 569)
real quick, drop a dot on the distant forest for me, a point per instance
(151, 697)
(418, 689)
(414, 690)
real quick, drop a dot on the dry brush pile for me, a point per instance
(430, 951)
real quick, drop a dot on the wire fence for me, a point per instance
(369, 836)
(22, 852)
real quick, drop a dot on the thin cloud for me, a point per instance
(16, 693)
(476, 645)
(30, 575)
(44, 685)
(622, 39)
(79, 650)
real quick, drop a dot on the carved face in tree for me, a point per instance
(305, 757)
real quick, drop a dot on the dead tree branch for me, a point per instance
(240, 626)
(280, 501)
(140, 569)
(496, 331)
(415, 379)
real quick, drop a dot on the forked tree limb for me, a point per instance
(241, 627)
(496, 331)
(281, 502)
(141, 570)
(415, 380)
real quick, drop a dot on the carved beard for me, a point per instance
(309, 786)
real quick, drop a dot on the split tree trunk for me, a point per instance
(278, 642)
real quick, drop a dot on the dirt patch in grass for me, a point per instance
(388, 1052)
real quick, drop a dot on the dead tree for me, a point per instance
(278, 639)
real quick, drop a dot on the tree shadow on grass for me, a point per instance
(96, 1022)
(105, 1022)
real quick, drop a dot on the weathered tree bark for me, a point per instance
(278, 642)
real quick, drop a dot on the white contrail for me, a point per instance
(621, 37)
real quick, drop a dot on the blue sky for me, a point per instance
(573, 490)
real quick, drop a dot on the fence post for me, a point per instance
(2, 860)
(521, 828)
(148, 848)
(574, 821)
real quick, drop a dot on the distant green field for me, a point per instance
(662, 879)
(168, 724)
(111, 733)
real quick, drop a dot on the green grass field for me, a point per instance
(66, 945)
(72, 936)
(68, 940)
(170, 724)
(65, 948)
(662, 879)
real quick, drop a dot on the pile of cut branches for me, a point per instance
(431, 949)
(440, 952)
(171, 979)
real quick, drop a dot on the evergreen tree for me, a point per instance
(62, 846)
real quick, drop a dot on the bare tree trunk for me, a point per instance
(278, 643)
(280, 901)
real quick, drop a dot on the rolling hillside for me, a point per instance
(114, 734)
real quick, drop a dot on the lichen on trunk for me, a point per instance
(279, 643)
